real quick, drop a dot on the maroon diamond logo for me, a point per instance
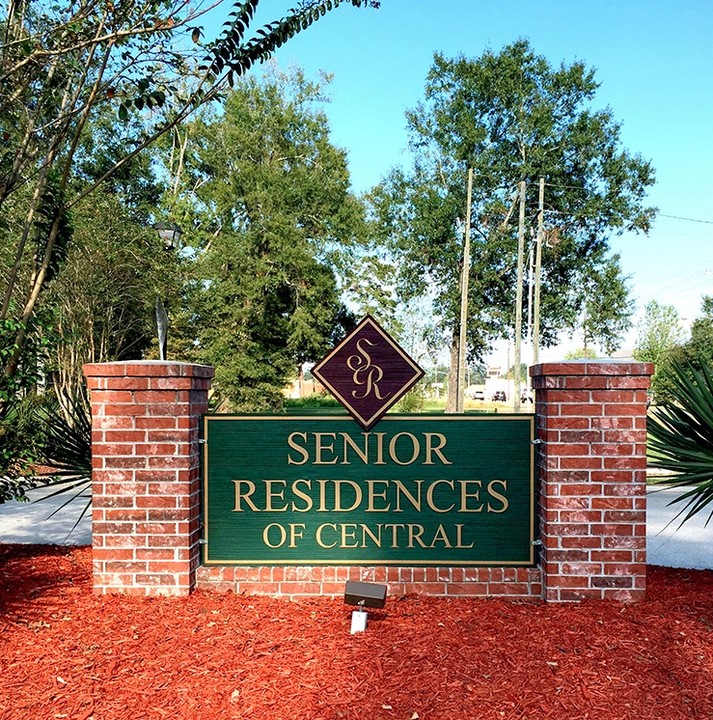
(368, 372)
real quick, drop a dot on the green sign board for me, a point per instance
(414, 490)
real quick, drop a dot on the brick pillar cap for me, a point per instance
(605, 366)
(148, 368)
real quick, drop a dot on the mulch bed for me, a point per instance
(65, 653)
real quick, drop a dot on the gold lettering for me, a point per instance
(239, 495)
(416, 448)
(296, 533)
(318, 535)
(430, 448)
(394, 533)
(441, 536)
(365, 372)
(363, 453)
(270, 494)
(429, 496)
(379, 448)
(459, 539)
(266, 535)
(322, 495)
(348, 535)
(401, 489)
(464, 495)
(414, 534)
(372, 494)
(303, 496)
(365, 530)
(319, 447)
(302, 451)
(505, 503)
(338, 495)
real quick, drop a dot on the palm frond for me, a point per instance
(681, 439)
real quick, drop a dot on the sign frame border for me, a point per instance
(205, 542)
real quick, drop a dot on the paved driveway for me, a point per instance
(689, 546)
(674, 545)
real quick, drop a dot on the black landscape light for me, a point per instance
(365, 595)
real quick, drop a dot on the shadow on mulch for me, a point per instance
(29, 571)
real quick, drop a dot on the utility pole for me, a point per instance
(518, 296)
(464, 280)
(538, 274)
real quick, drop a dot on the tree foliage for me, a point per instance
(512, 117)
(268, 197)
(658, 335)
(62, 65)
(696, 353)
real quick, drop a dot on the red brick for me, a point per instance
(587, 382)
(156, 423)
(567, 581)
(612, 582)
(583, 407)
(509, 590)
(583, 489)
(611, 448)
(612, 503)
(104, 422)
(582, 462)
(614, 423)
(586, 541)
(310, 589)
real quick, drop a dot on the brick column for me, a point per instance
(145, 477)
(591, 421)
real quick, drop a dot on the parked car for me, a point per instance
(475, 393)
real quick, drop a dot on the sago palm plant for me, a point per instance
(681, 438)
(64, 457)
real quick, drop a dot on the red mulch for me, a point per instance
(65, 653)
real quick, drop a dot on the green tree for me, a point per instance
(511, 117)
(581, 354)
(268, 196)
(696, 353)
(659, 333)
(103, 302)
(61, 65)
(606, 304)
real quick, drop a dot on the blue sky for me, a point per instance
(653, 59)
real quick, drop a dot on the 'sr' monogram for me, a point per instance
(365, 372)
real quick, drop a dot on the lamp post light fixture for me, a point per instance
(364, 595)
(170, 233)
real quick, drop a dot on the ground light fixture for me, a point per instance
(364, 595)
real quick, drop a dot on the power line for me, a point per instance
(663, 215)
(677, 217)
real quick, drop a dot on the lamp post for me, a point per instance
(170, 233)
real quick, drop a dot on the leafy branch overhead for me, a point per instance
(236, 53)
(62, 66)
